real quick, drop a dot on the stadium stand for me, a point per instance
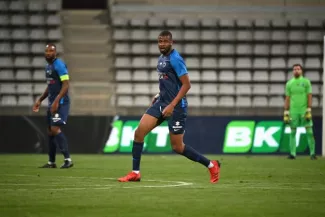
(25, 26)
(232, 62)
(241, 62)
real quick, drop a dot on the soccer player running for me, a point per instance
(58, 108)
(170, 104)
(297, 108)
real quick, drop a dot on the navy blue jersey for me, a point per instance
(170, 68)
(56, 72)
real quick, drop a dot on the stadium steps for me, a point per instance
(85, 17)
(87, 60)
(81, 46)
(91, 98)
(86, 32)
(88, 53)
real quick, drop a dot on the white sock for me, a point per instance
(136, 171)
(50, 163)
(68, 159)
(211, 165)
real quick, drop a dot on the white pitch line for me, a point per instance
(51, 184)
(99, 187)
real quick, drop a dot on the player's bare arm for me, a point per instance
(154, 99)
(310, 100)
(40, 100)
(44, 95)
(287, 103)
(309, 105)
(286, 117)
(63, 91)
(186, 86)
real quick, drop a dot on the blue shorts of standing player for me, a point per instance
(170, 105)
(57, 78)
(176, 122)
(60, 117)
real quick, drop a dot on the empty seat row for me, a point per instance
(212, 101)
(25, 48)
(33, 20)
(222, 49)
(213, 89)
(221, 35)
(22, 62)
(30, 5)
(222, 75)
(30, 34)
(22, 88)
(22, 74)
(23, 100)
(214, 23)
(223, 62)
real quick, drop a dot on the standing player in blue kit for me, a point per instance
(171, 105)
(57, 78)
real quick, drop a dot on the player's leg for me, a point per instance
(148, 122)
(177, 129)
(51, 145)
(310, 138)
(59, 119)
(294, 123)
(293, 143)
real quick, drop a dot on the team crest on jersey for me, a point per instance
(49, 72)
(301, 84)
(163, 64)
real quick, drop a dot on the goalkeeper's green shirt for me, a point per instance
(298, 89)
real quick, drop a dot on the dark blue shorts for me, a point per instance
(60, 117)
(176, 123)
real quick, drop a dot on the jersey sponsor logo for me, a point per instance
(122, 134)
(261, 137)
(50, 81)
(163, 76)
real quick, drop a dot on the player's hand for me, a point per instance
(308, 115)
(168, 111)
(54, 107)
(286, 118)
(36, 106)
(154, 99)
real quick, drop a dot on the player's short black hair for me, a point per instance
(51, 45)
(166, 33)
(297, 64)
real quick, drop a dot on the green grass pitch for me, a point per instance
(171, 186)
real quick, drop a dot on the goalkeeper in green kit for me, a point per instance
(297, 108)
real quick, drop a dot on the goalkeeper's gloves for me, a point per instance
(308, 114)
(286, 118)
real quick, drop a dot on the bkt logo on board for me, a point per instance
(121, 138)
(261, 137)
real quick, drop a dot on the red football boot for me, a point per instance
(130, 177)
(214, 171)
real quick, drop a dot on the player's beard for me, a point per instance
(297, 75)
(166, 50)
(49, 59)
